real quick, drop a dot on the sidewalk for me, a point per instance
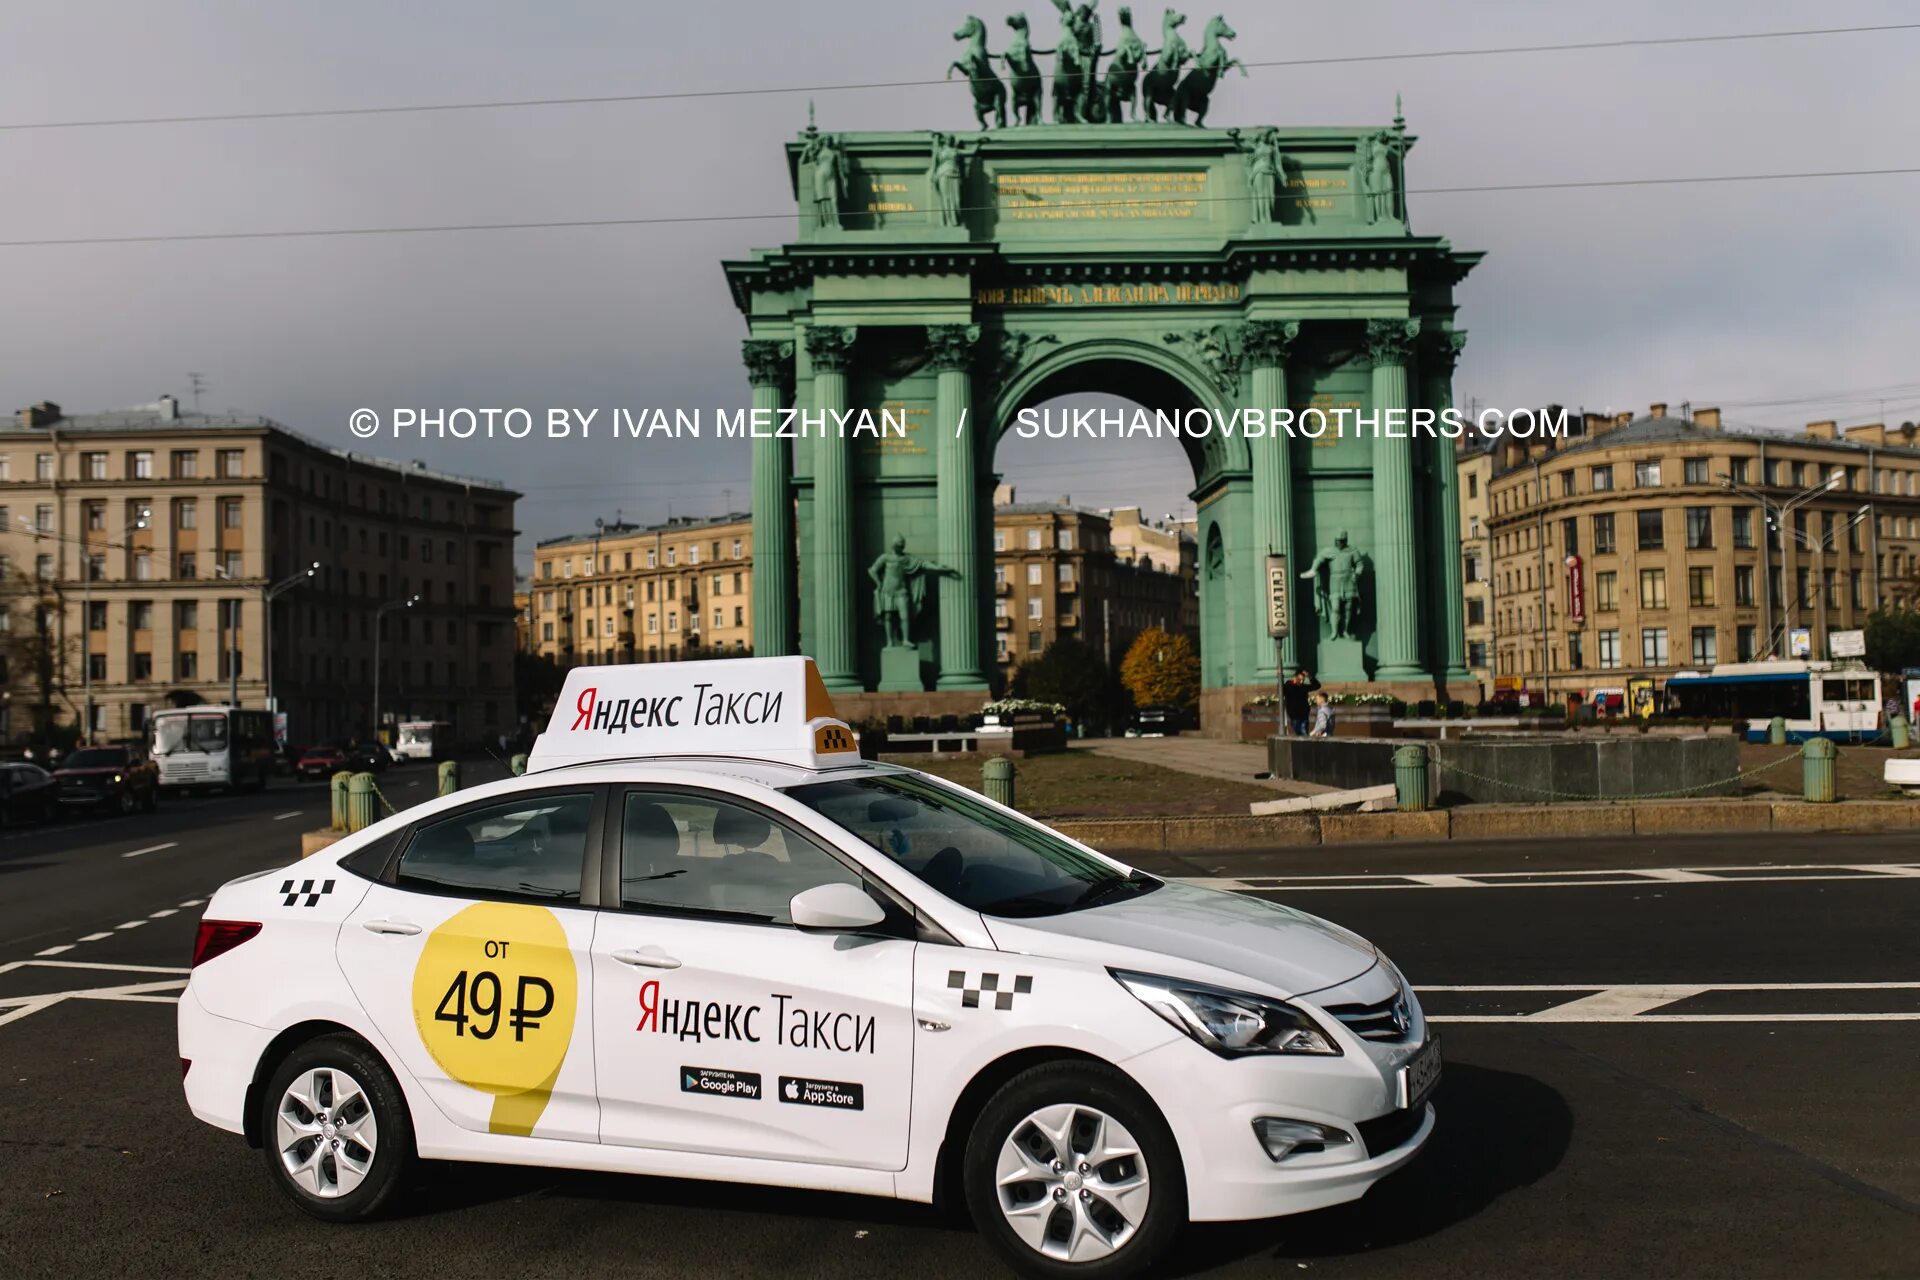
(1205, 757)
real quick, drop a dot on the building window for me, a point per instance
(1603, 541)
(186, 464)
(1034, 607)
(1653, 647)
(1034, 642)
(230, 514)
(1700, 587)
(1743, 585)
(1744, 638)
(43, 466)
(1476, 614)
(140, 464)
(1477, 653)
(1034, 572)
(93, 466)
(1064, 540)
(186, 514)
(1066, 573)
(1737, 470)
(143, 666)
(1653, 588)
(1694, 470)
(999, 539)
(1743, 528)
(1566, 484)
(1706, 647)
(43, 517)
(1606, 591)
(230, 464)
(1473, 491)
(1609, 650)
(1575, 658)
(1570, 535)
(140, 615)
(1646, 475)
(1651, 528)
(189, 566)
(1699, 528)
(652, 558)
(186, 664)
(1033, 539)
(1853, 588)
(1602, 478)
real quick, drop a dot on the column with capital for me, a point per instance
(831, 349)
(770, 371)
(1267, 345)
(1438, 365)
(1395, 591)
(956, 504)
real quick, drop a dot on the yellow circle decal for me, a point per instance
(494, 997)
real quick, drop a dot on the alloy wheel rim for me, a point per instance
(326, 1133)
(1072, 1183)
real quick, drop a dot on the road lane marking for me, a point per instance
(1654, 1019)
(120, 968)
(54, 951)
(291, 813)
(164, 913)
(95, 937)
(131, 924)
(192, 902)
(1586, 879)
(1601, 1002)
(152, 848)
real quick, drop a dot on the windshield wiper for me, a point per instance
(1105, 888)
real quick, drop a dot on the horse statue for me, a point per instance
(1213, 62)
(1024, 71)
(1157, 89)
(989, 95)
(1123, 74)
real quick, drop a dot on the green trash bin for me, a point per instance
(1817, 758)
(337, 786)
(996, 777)
(1777, 731)
(1410, 777)
(1897, 729)
(360, 801)
(518, 764)
(449, 777)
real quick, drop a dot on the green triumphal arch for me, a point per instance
(943, 282)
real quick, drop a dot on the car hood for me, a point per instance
(1186, 931)
(104, 771)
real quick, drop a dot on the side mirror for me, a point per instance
(840, 908)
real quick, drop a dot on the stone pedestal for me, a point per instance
(900, 670)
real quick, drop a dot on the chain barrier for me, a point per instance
(1549, 794)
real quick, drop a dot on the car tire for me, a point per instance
(1109, 1218)
(123, 803)
(337, 1172)
(152, 800)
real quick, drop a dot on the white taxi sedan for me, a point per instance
(702, 938)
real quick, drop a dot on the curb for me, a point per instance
(1492, 822)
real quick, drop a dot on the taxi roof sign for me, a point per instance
(764, 708)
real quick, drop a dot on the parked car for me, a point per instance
(26, 793)
(369, 756)
(1154, 722)
(112, 779)
(323, 762)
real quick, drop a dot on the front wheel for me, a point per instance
(337, 1137)
(1072, 1172)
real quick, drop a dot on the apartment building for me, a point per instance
(1643, 546)
(148, 554)
(1475, 462)
(1057, 572)
(644, 593)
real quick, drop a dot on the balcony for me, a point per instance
(1003, 621)
(1069, 586)
(1069, 621)
(1002, 587)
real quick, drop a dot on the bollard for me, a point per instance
(359, 801)
(518, 764)
(1897, 728)
(1777, 732)
(338, 786)
(1816, 764)
(449, 777)
(997, 777)
(1410, 777)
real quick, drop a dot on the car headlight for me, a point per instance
(116, 777)
(1234, 1024)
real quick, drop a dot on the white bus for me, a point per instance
(423, 740)
(212, 747)
(1816, 699)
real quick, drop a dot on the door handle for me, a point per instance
(652, 958)
(390, 926)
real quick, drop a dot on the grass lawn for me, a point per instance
(1080, 784)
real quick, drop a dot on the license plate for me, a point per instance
(1421, 1073)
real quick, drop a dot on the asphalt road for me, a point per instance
(1687, 1096)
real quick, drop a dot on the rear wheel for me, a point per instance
(337, 1137)
(123, 802)
(1071, 1172)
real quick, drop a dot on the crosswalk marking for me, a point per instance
(1582, 879)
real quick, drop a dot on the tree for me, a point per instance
(1893, 639)
(1071, 673)
(32, 651)
(1162, 670)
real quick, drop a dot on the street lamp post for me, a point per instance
(379, 633)
(268, 594)
(1776, 517)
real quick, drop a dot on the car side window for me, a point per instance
(701, 855)
(529, 847)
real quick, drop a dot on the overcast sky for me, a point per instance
(1737, 295)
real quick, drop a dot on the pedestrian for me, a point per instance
(1322, 717)
(1293, 695)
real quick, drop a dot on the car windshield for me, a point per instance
(981, 858)
(95, 758)
(189, 733)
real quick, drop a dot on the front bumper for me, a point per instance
(223, 1054)
(1211, 1104)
